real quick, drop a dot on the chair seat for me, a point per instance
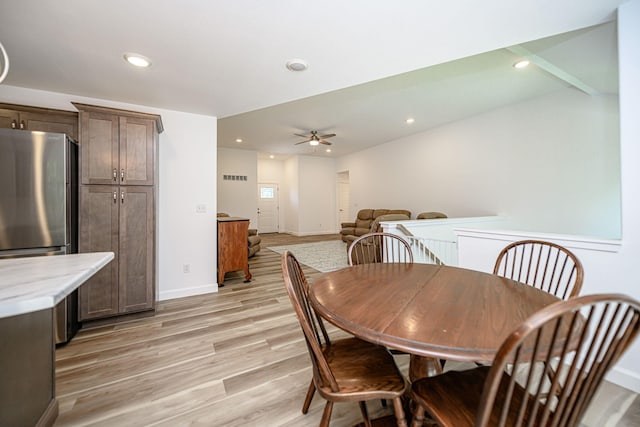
(443, 391)
(363, 370)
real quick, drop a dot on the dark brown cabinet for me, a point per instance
(40, 119)
(118, 219)
(116, 148)
(117, 209)
(233, 254)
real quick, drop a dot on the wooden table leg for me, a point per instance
(420, 367)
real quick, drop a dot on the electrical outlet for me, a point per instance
(186, 268)
(201, 208)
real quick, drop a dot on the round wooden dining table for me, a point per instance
(430, 311)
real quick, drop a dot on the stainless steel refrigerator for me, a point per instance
(39, 204)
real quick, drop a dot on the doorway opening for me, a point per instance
(343, 197)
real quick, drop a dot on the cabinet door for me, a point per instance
(137, 248)
(41, 119)
(99, 209)
(9, 119)
(99, 148)
(49, 122)
(137, 151)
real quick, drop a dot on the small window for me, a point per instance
(267, 193)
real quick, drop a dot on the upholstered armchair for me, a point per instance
(431, 215)
(364, 222)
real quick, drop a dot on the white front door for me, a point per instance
(268, 207)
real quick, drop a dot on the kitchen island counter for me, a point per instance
(30, 288)
(40, 282)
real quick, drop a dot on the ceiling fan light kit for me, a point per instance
(314, 138)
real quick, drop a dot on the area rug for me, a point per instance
(322, 256)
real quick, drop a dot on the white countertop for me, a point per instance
(36, 283)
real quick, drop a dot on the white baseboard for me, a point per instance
(188, 292)
(309, 233)
(624, 378)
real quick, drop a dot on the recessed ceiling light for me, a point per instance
(271, 156)
(137, 60)
(410, 120)
(238, 140)
(297, 65)
(521, 64)
(328, 150)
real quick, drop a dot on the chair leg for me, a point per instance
(399, 411)
(365, 414)
(418, 416)
(309, 397)
(326, 415)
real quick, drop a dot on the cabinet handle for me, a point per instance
(115, 174)
(115, 196)
(14, 124)
(122, 196)
(22, 125)
(121, 174)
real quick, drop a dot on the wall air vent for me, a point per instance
(234, 177)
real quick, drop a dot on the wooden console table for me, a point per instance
(233, 252)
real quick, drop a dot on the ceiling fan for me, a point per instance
(315, 139)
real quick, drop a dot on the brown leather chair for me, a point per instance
(583, 336)
(345, 370)
(431, 215)
(363, 223)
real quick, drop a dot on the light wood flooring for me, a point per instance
(233, 358)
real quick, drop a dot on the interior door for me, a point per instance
(343, 198)
(268, 207)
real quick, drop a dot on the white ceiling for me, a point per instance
(372, 63)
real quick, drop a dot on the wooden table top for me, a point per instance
(427, 310)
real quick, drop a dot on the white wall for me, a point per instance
(606, 271)
(290, 196)
(238, 198)
(551, 163)
(187, 175)
(317, 211)
(623, 275)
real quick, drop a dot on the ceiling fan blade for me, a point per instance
(322, 141)
(301, 135)
(302, 142)
(329, 135)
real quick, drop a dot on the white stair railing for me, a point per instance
(433, 251)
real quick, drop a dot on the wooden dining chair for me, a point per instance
(544, 265)
(588, 334)
(345, 370)
(379, 247)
